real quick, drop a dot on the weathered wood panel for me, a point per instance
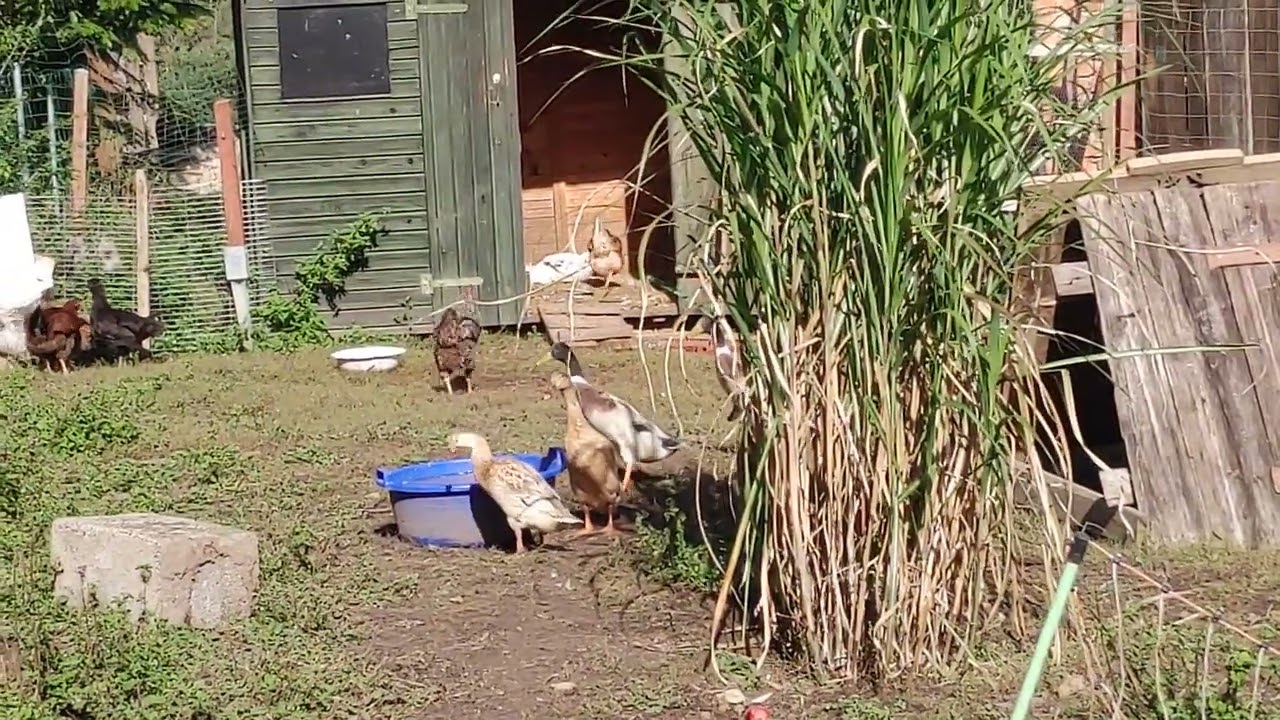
(1200, 458)
(286, 154)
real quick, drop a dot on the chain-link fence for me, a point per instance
(1212, 76)
(185, 235)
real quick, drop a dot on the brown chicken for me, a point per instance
(56, 332)
(605, 261)
(457, 339)
(593, 462)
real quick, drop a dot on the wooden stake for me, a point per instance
(235, 257)
(232, 204)
(142, 240)
(79, 142)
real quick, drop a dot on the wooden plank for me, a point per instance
(1243, 215)
(289, 152)
(330, 130)
(270, 76)
(269, 55)
(1116, 230)
(343, 204)
(366, 108)
(370, 298)
(402, 88)
(1255, 168)
(290, 232)
(351, 186)
(1182, 163)
(1073, 279)
(264, 17)
(399, 34)
(387, 268)
(356, 166)
(393, 319)
(1214, 397)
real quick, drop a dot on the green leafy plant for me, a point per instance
(289, 321)
(670, 550)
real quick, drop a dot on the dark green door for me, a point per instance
(473, 153)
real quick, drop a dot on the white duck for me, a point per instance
(21, 291)
(560, 267)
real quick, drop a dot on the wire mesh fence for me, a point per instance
(1212, 76)
(185, 239)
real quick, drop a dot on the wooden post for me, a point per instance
(142, 239)
(79, 142)
(235, 258)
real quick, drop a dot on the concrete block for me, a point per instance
(187, 572)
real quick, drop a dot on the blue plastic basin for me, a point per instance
(439, 504)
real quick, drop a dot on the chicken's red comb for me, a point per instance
(756, 712)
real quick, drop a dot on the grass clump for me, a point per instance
(864, 149)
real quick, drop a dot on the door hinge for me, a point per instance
(429, 284)
(417, 7)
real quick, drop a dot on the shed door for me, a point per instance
(473, 153)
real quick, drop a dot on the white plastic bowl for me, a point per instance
(368, 358)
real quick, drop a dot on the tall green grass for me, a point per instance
(864, 149)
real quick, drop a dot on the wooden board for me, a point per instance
(1200, 458)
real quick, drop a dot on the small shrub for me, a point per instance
(291, 321)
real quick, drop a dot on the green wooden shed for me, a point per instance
(481, 164)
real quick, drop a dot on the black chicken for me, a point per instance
(117, 334)
(457, 338)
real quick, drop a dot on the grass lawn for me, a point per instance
(352, 623)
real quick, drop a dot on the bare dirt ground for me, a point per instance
(287, 446)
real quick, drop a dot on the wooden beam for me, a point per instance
(1183, 163)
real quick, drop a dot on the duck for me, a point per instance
(21, 291)
(593, 461)
(634, 437)
(527, 500)
(728, 358)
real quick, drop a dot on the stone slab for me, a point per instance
(184, 571)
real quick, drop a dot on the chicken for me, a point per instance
(457, 339)
(606, 261)
(118, 333)
(56, 332)
(593, 463)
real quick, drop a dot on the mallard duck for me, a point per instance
(525, 498)
(457, 337)
(593, 462)
(728, 362)
(635, 437)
